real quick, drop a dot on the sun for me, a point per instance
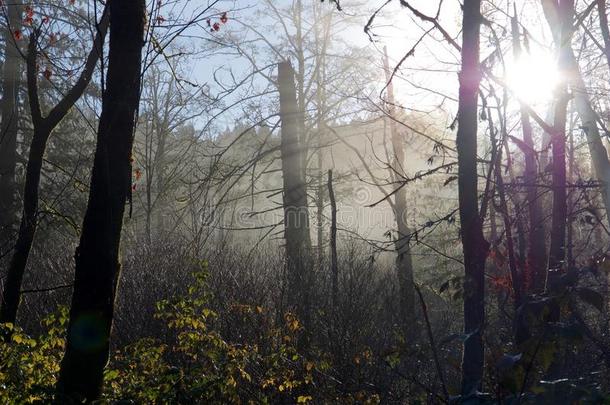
(533, 76)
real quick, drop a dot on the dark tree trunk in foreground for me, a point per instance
(560, 18)
(43, 127)
(9, 108)
(560, 15)
(404, 262)
(97, 257)
(296, 217)
(475, 246)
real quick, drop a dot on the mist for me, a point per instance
(341, 201)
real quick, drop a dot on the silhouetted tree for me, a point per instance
(43, 128)
(475, 246)
(97, 257)
(296, 214)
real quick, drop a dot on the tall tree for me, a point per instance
(474, 245)
(296, 214)
(560, 15)
(97, 257)
(555, 14)
(9, 110)
(43, 128)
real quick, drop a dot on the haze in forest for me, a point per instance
(304, 202)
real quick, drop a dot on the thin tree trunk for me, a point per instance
(9, 108)
(334, 268)
(43, 127)
(588, 121)
(404, 262)
(296, 216)
(321, 112)
(160, 164)
(300, 83)
(535, 274)
(97, 257)
(474, 245)
(515, 275)
(570, 203)
(12, 287)
(320, 204)
(603, 24)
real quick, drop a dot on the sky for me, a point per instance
(426, 81)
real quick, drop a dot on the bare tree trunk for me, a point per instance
(559, 212)
(43, 127)
(9, 108)
(321, 41)
(475, 246)
(536, 250)
(320, 204)
(160, 164)
(334, 268)
(588, 121)
(300, 83)
(570, 203)
(603, 24)
(559, 16)
(296, 216)
(404, 262)
(97, 257)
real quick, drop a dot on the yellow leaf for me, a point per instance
(303, 399)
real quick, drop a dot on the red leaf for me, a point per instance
(216, 27)
(160, 19)
(17, 35)
(224, 18)
(47, 73)
(45, 19)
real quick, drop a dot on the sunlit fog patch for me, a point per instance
(533, 77)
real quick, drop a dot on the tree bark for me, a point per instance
(9, 108)
(560, 16)
(97, 257)
(296, 215)
(43, 127)
(334, 267)
(474, 245)
(321, 41)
